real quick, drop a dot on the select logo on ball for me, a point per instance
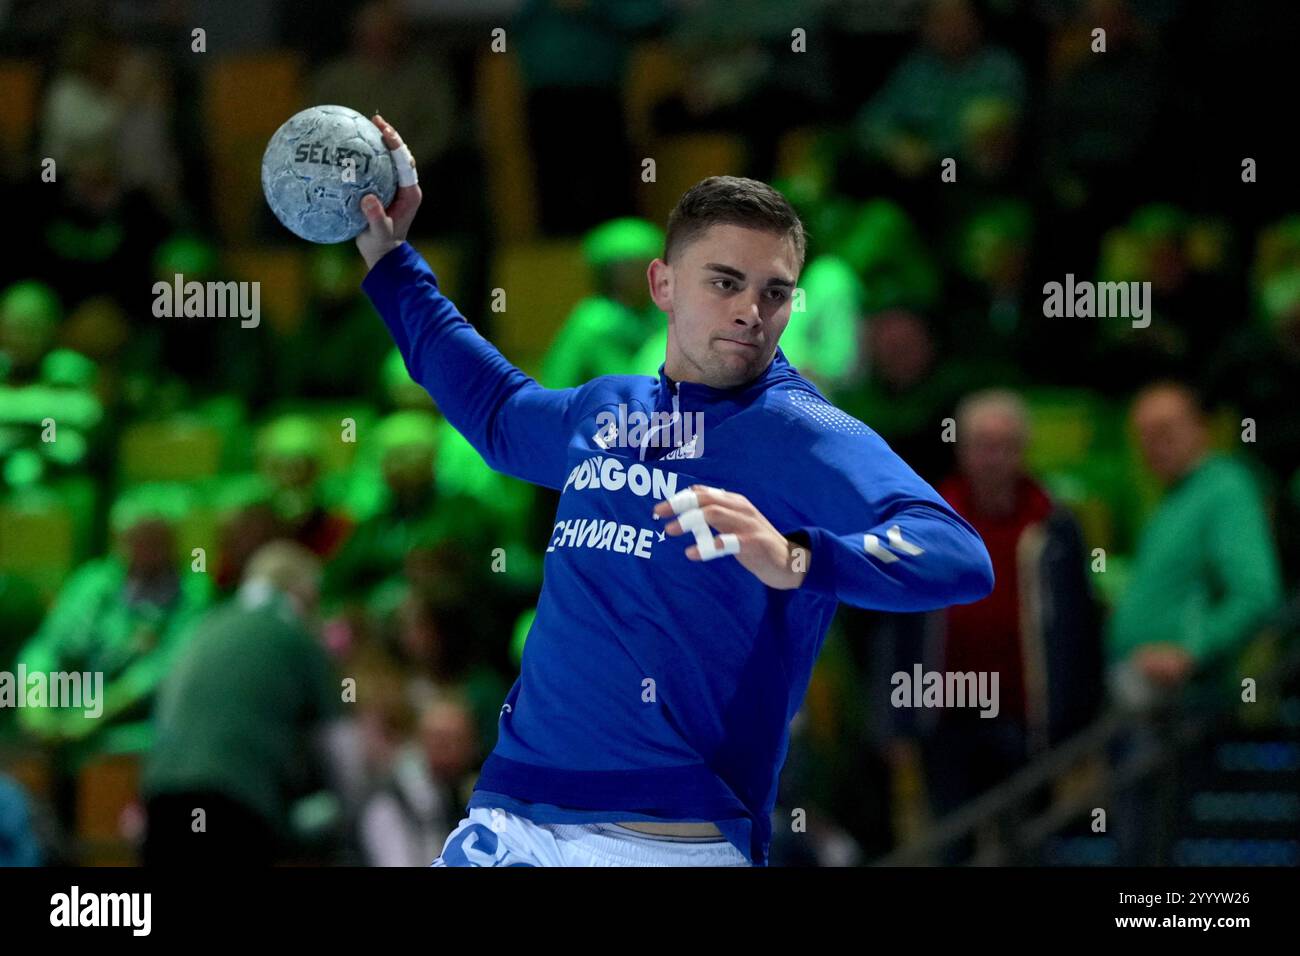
(322, 154)
(317, 168)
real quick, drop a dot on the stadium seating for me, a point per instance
(175, 449)
(38, 531)
(681, 162)
(446, 258)
(20, 80)
(106, 788)
(512, 186)
(33, 772)
(282, 274)
(245, 100)
(654, 73)
(542, 281)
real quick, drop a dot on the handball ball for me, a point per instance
(319, 165)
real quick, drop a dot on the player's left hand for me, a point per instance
(387, 228)
(766, 553)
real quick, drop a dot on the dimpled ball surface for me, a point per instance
(319, 165)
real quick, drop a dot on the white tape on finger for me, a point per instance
(694, 522)
(730, 545)
(684, 501)
(405, 164)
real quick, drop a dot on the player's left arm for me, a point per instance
(877, 536)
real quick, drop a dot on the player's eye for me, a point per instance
(731, 282)
(779, 294)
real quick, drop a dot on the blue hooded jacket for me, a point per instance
(653, 687)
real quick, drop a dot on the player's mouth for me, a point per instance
(740, 342)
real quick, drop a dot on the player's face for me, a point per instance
(727, 297)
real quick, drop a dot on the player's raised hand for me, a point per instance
(762, 550)
(388, 227)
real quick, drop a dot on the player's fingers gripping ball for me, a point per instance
(321, 163)
(405, 165)
(690, 517)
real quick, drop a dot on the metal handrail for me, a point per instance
(1092, 741)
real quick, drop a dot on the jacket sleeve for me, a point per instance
(1243, 566)
(519, 427)
(880, 537)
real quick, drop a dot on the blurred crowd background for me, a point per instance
(307, 594)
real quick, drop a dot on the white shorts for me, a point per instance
(494, 837)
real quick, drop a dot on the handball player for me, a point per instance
(692, 572)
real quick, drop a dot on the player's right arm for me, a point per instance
(519, 427)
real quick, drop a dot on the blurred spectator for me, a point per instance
(821, 341)
(1204, 580)
(917, 119)
(29, 323)
(291, 453)
(246, 520)
(423, 797)
(98, 329)
(994, 306)
(196, 351)
(412, 510)
(605, 331)
(341, 344)
(886, 251)
(1205, 576)
(1184, 260)
(1105, 118)
(40, 385)
(740, 70)
(1257, 371)
(1039, 627)
(116, 175)
(108, 93)
(334, 347)
(238, 721)
(909, 390)
(461, 470)
(125, 617)
(385, 73)
(990, 136)
(1191, 300)
(572, 57)
(1038, 630)
(441, 654)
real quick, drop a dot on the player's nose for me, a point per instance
(749, 313)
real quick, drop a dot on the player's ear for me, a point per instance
(659, 274)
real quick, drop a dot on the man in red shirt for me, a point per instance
(1037, 630)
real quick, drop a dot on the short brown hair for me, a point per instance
(734, 201)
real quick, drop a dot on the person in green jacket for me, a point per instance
(413, 509)
(604, 332)
(239, 720)
(125, 616)
(1205, 574)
